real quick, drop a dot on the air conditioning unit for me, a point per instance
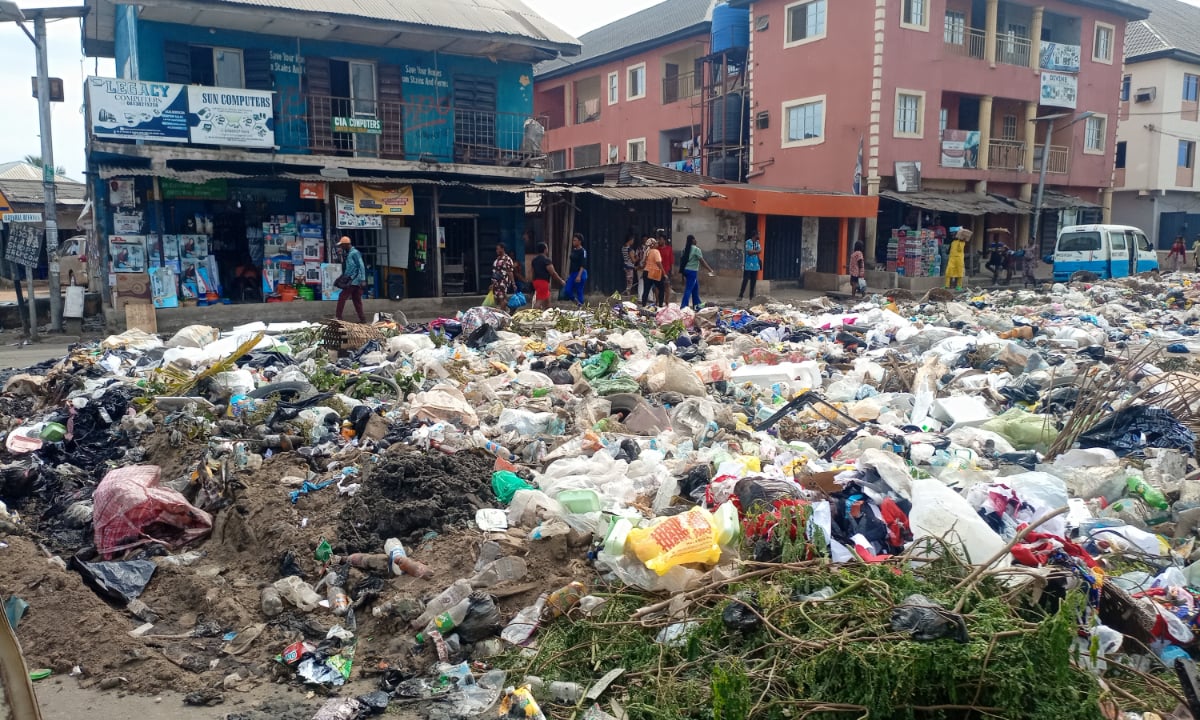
(1145, 95)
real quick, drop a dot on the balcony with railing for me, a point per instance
(1013, 49)
(680, 87)
(587, 110)
(1006, 155)
(965, 42)
(1058, 161)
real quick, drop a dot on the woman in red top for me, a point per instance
(668, 262)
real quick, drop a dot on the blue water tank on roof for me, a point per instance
(730, 28)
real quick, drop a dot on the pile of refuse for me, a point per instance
(957, 506)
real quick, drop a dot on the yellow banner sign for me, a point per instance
(385, 201)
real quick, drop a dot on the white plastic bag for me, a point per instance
(194, 336)
(939, 512)
(670, 374)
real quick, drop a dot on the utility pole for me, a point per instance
(50, 214)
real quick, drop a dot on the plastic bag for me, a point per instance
(482, 620)
(1025, 431)
(517, 300)
(617, 386)
(679, 540)
(490, 300)
(939, 512)
(600, 365)
(670, 374)
(121, 581)
(194, 336)
(129, 503)
(505, 484)
(443, 403)
(744, 617)
(519, 703)
(927, 620)
(1133, 429)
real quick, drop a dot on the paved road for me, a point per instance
(21, 357)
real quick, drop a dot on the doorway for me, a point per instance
(354, 90)
(462, 256)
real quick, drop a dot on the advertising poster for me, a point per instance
(385, 201)
(347, 219)
(1059, 57)
(132, 109)
(193, 247)
(960, 148)
(1060, 90)
(163, 288)
(229, 116)
(128, 253)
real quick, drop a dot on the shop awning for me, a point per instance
(610, 192)
(1061, 201)
(964, 203)
(793, 203)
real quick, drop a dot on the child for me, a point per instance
(858, 271)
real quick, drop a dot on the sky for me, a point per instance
(19, 135)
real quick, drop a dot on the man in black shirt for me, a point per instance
(577, 277)
(543, 270)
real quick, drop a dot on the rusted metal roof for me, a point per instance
(966, 203)
(29, 192)
(611, 192)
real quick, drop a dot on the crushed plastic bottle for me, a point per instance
(451, 596)
(521, 628)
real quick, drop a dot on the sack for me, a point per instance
(517, 300)
(342, 282)
(490, 300)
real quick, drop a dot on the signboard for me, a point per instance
(229, 116)
(124, 109)
(387, 201)
(347, 219)
(176, 190)
(1060, 89)
(908, 176)
(960, 148)
(15, 217)
(368, 126)
(312, 191)
(24, 245)
(1059, 57)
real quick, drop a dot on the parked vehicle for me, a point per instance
(1109, 251)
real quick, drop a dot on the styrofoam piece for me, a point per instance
(960, 409)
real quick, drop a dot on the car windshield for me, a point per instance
(1079, 242)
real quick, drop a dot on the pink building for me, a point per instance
(950, 101)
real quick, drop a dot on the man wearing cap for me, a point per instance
(352, 266)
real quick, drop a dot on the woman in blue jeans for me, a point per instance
(690, 260)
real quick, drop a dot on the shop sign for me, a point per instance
(24, 245)
(908, 176)
(1060, 90)
(960, 148)
(1059, 57)
(176, 190)
(312, 191)
(14, 217)
(124, 109)
(364, 125)
(385, 201)
(231, 116)
(347, 219)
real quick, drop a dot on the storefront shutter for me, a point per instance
(177, 61)
(257, 64)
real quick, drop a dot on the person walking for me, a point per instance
(1178, 254)
(1029, 264)
(956, 264)
(668, 261)
(1195, 255)
(858, 270)
(691, 260)
(577, 272)
(629, 262)
(353, 268)
(751, 266)
(504, 270)
(543, 270)
(653, 273)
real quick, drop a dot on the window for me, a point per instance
(227, 68)
(614, 155)
(1120, 162)
(943, 121)
(635, 150)
(586, 156)
(804, 122)
(1079, 242)
(956, 27)
(1187, 154)
(1008, 127)
(635, 82)
(613, 94)
(1093, 134)
(1125, 83)
(557, 160)
(1190, 87)
(805, 22)
(910, 109)
(1102, 43)
(913, 14)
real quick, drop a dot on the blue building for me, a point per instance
(241, 138)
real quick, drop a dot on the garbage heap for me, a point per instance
(945, 507)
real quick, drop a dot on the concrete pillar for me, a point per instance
(985, 130)
(1035, 39)
(980, 230)
(872, 224)
(989, 40)
(1024, 222)
(1030, 137)
(1106, 207)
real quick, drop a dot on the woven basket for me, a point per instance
(341, 335)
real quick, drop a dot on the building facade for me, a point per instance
(945, 98)
(1156, 182)
(239, 140)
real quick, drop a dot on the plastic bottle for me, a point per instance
(1152, 495)
(565, 693)
(408, 566)
(395, 550)
(446, 621)
(502, 570)
(375, 562)
(451, 596)
(272, 604)
(339, 601)
(563, 599)
(493, 447)
(522, 627)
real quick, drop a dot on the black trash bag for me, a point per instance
(265, 358)
(1022, 391)
(288, 565)
(373, 703)
(1061, 400)
(359, 417)
(927, 620)
(1027, 460)
(744, 617)
(628, 450)
(1095, 352)
(694, 484)
(482, 620)
(116, 580)
(1133, 429)
(483, 336)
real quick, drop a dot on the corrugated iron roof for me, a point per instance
(966, 203)
(29, 192)
(611, 192)
(653, 26)
(21, 170)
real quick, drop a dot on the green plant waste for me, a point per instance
(839, 657)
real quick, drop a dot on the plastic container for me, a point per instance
(522, 627)
(272, 603)
(730, 28)
(395, 551)
(618, 534)
(578, 502)
(298, 593)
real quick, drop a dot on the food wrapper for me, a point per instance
(683, 539)
(519, 703)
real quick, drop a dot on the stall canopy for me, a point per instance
(964, 203)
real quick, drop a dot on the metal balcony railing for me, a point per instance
(966, 42)
(1006, 154)
(680, 87)
(587, 110)
(1013, 49)
(1059, 160)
